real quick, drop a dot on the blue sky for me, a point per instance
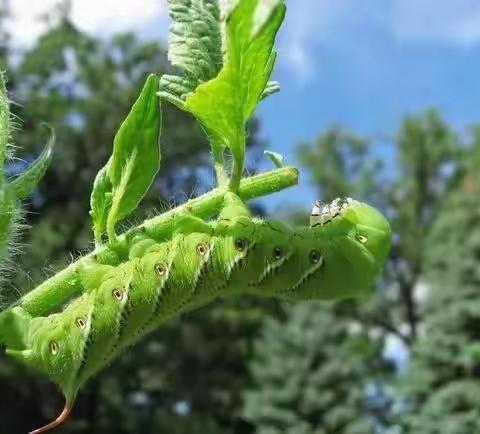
(360, 63)
(367, 63)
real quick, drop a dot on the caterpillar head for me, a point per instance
(342, 251)
(359, 222)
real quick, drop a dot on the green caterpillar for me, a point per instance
(339, 255)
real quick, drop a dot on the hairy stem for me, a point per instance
(60, 288)
(4, 125)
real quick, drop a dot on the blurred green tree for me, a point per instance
(312, 373)
(429, 163)
(338, 164)
(442, 388)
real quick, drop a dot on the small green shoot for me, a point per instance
(276, 158)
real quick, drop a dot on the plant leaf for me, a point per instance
(24, 184)
(195, 47)
(175, 89)
(223, 105)
(226, 65)
(195, 42)
(124, 181)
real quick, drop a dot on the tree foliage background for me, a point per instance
(407, 361)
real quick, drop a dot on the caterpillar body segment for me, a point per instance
(338, 256)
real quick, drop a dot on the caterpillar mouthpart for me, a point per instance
(56, 423)
(324, 213)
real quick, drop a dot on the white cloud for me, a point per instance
(446, 22)
(306, 22)
(342, 25)
(94, 16)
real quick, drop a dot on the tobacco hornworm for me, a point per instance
(339, 254)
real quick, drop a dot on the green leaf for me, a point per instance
(124, 181)
(195, 47)
(224, 105)
(100, 203)
(195, 43)
(174, 89)
(276, 158)
(25, 183)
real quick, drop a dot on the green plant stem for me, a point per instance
(57, 290)
(238, 153)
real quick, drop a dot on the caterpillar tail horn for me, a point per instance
(57, 422)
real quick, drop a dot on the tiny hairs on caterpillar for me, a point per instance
(338, 255)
